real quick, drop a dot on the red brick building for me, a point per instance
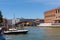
(52, 16)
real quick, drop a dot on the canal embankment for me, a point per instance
(57, 25)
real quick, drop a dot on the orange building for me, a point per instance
(52, 16)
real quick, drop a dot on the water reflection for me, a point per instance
(37, 33)
(52, 33)
(2, 37)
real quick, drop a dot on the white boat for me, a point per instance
(15, 31)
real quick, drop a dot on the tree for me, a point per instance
(1, 17)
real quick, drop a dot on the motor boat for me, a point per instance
(15, 31)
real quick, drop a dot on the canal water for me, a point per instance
(37, 33)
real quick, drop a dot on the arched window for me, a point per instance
(58, 10)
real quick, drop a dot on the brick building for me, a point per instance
(4, 21)
(52, 16)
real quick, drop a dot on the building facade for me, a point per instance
(52, 16)
(4, 21)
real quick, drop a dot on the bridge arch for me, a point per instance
(26, 23)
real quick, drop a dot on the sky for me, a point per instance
(26, 8)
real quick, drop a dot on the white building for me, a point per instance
(16, 20)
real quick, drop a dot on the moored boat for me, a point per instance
(15, 31)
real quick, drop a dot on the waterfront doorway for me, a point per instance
(57, 21)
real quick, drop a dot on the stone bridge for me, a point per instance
(26, 23)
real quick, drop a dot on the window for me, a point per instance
(58, 10)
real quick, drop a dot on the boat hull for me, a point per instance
(15, 32)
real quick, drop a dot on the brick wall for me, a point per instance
(52, 14)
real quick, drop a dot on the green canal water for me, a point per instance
(37, 33)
